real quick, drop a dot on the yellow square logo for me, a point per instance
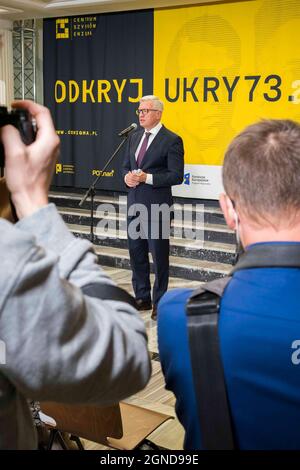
(58, 168)
(62, 28)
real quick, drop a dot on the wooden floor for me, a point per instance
(155, 397)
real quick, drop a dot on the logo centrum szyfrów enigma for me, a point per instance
(62, 28)
(64, 168)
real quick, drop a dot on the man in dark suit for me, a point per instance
(153, 164)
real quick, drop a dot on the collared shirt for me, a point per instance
(154, 131)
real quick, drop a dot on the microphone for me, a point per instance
(128, 129)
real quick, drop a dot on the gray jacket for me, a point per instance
(60, 345)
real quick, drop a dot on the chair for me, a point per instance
(123, 426)
(94, 423)
(137, 423)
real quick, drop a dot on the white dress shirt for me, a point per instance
(154, 131)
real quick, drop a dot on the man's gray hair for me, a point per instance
(158, 104)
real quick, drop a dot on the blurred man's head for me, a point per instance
(261, 177)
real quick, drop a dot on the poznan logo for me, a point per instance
(2, 353)
(62, 28)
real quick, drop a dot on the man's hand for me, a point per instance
(29, 169)
(132, 179)
(142, 176)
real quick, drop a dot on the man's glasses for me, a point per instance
(144, 111)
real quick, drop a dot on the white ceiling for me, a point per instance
(22, 9)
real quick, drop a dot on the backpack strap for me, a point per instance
(202, 311)
(269, 255)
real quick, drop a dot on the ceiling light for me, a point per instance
(5, 10)
(73, 3)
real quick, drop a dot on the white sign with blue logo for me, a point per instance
(200, 181)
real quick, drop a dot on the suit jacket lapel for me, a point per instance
(137, 138)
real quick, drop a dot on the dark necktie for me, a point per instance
(143, 149)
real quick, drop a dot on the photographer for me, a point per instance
(259, 321)
(61, 344)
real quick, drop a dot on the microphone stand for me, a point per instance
(92, 189)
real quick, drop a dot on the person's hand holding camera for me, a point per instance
(29, 169)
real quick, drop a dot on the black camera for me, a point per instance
(20, 118)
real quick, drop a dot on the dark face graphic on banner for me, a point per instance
(277, 43)
(202, 55)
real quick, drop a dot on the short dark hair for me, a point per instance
(261, 170)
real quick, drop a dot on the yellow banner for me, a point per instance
(221, 67)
